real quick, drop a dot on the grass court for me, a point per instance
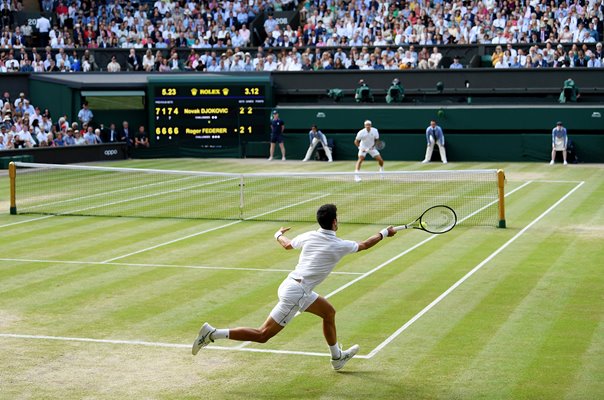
(107, 307)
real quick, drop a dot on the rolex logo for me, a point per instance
(194, 92)
(225, 91)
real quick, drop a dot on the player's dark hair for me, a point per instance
(326, 214)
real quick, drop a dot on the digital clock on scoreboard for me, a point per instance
(209, 114)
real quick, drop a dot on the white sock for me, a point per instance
(381, 169)
(220, 334)
(356, 170)
(335, 351)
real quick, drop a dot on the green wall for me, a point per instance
(473, 133)
(57, 98)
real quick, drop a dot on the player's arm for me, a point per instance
(282, 128)
(373, 240)
(282, 239)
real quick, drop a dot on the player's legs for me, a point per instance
(429, 150)
(323, 308)
(269, 328)
(311, 148)
(271, 151)
(553, 155)
(564, 156)
(443, 153)
(357, 167)
(360, 160)
(282, 147)
(380, 161)
(327, 150)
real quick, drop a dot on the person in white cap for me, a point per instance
(365, 141)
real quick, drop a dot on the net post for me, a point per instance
(241, 200)
(500, 187)
(12, 173)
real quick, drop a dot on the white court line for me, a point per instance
(468, 275)
(27, 220)
(161, 266)
(212, 229)
(159, 344)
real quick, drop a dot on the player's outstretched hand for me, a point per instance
(391, 231)
(283, 229)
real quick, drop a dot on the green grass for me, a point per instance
(528, 325)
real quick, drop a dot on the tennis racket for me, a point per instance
(436, 219)
(379, 144)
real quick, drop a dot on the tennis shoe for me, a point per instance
(425, 161)
(204, 338)
(551, 162)
(565, 163)
(282, 158)
(345, 356)
(270, 159)
(357, 178)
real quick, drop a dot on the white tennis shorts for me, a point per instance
(372, 152)
(559, 144)
(292, 298)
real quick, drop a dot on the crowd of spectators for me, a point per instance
(332, 34)
(547, 56)
(24, 126)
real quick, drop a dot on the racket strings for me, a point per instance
(438, 219)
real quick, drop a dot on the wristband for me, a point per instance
(278, 234)
(384, 233)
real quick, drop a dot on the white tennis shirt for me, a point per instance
(321, 251)
(367, 139)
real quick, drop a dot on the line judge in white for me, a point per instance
(365, 141)
(321, 251)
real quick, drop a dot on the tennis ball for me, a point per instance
(423, 224)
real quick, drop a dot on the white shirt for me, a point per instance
(43, 24)
(367, 139)
(321, 251)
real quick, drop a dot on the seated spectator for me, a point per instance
(68, 138)
(79, 139)
(113, 65)
(456, 64)
(141, 139)
(134, 61)
(92, 137)
(148, 62)
(435, 58)
(58, 141)
(497, 56)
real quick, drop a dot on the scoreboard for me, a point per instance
(209, 114)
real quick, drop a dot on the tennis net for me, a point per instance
(395, 197)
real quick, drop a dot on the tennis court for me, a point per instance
(107, 307)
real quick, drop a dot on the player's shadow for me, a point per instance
(376, 376)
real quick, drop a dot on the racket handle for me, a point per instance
(400, 228)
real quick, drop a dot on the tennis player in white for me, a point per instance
(321, 251)
(365, 141)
